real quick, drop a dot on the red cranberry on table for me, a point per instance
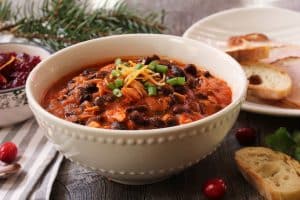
(8, 152)
(214, 188)
(246, 136)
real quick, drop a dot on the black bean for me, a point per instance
(149, 59)
(167, 89)
(177, 109)
(157, 122)
(177, 71)
(191, 69)
(91, 88)
(85, 97)
(207, 74)
(137, 118)
(100, 101)
(172, 121)
(180, 89)
(140, 108)
(118, 126)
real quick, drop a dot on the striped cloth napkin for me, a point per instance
(39, 160)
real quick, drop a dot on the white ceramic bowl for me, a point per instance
(136, 156)
(13, 102)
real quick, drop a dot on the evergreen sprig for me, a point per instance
(65, 22)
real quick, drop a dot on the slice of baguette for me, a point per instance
(242, 54)
(275, 175)
(249, 47)
(267, 81)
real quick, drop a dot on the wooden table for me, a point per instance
(75, 182)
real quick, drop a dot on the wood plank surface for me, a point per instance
(75, 182)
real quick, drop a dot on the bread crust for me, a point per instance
(259, 180)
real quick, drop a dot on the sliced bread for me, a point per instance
(292, 66)
(249, 47)
(251, 53)
(275, 175)
(267, 81)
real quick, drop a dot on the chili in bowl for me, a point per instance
(138, 93)
(111, 105)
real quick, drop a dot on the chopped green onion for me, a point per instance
(118, 61)
(176, 81)
(118, 83)
(115, 73)
(161, 69)
(117, 92)
(152, 90)
(111, 86)
(139, 66)
(152, 65)
(148, 84)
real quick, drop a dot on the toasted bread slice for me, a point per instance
(275, 175)
(241, 40)
(249, 47)
(267, 81)
(243, 54)
(292, 66)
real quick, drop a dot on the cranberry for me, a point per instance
(17, 72)
(8, 152)
(246, 136)
(214, 188)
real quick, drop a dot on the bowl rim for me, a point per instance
(146, 132)
(22, 44)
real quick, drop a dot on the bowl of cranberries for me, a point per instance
(16, 62)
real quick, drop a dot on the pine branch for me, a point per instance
(64, 22)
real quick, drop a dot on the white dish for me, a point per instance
(136, 156)
(280, 24)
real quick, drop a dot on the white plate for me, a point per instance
(279, 24)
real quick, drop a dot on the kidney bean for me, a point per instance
(177, 71)
(191, 69)
(172, 121)
(100, 101)
(166, 90)
(157, 122)
(177, 109)
(137, 118)
(207, 74)
(180, 89)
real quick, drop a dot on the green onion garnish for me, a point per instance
(118, 83)
(117, 92)
(161, 69)
(148, 84)
(118, 61)
(176, 81)
(152, 90)
(152, 65)
(111, 86)
(115, 73)
(139, 66)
